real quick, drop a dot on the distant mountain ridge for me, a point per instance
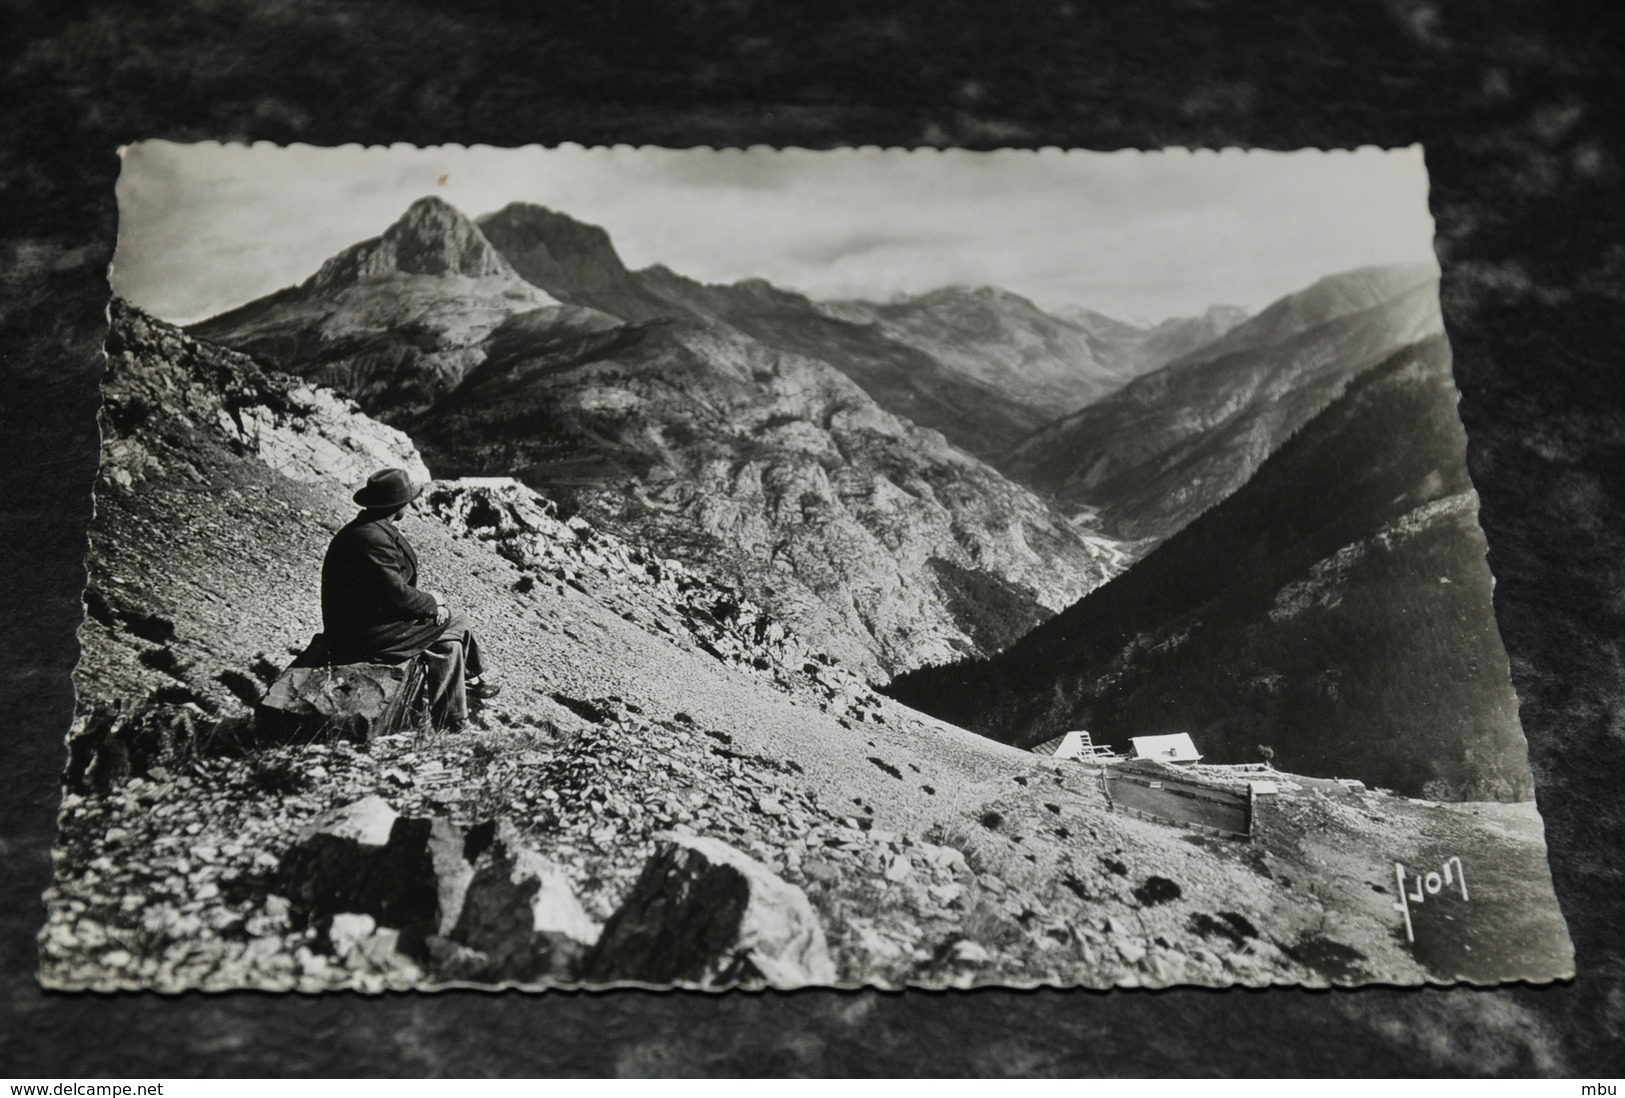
(1003, 341)
(1336, 608)
(984, 366)
(1145, 460)
(1176, 337)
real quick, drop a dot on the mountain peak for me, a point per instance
(555, 251)
(431, 238)
(973, 293)
(1227, 315)
(428, 217)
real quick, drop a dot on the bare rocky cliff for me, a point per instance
(555, 251)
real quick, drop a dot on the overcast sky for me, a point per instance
(203, 228)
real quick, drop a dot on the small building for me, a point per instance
(1074, 745)
(1176, 748)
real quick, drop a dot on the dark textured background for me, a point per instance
(1519, 105)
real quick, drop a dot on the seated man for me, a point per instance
(372, 610)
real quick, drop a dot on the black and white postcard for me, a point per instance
(632, 566)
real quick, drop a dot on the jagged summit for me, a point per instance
(553, 250)
(431, 238)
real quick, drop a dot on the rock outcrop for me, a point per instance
(355, 701)
(703, 914)
(111, 743)
(160, 380)
(467, 903)
(520, 918)
(479, 904)
(407, 874)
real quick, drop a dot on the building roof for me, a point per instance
(1070, 745)
(1175, 748)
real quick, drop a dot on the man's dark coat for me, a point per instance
(371, 607)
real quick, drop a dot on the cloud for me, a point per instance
(206, 227)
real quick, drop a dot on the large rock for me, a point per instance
(475, 904)
(704, 914)
(409, 874)
(326, 438)
(353, 701)
(520, 913)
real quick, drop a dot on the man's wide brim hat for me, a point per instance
(388, 488)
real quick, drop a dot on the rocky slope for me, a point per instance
(1143, 462)
(1336, 609)
(641, 699)
(657, 416)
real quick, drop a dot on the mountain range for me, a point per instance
(522, 345)
(984, 366)
(910, 483)
(1335, 610)
(1143, 461)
